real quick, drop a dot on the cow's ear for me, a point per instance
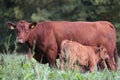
(32, 25)
(11, 25)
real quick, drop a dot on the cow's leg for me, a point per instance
(91, 69)
(110, 63)
(71, 62)
(81, 68)
(92, 65)
(116, 58)
(100, 65)
(51, 56)
(40, 58)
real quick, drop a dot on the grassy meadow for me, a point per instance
(19, 67)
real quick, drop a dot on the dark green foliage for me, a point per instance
(42, 10)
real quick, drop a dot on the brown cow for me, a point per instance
(48, 36)
(86, 56)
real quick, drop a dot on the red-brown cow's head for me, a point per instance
(22, 30)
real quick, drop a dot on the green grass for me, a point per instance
(17, 67)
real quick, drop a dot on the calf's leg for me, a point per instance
(62, 62)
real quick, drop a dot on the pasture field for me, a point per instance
(18, 67)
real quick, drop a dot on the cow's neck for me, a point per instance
(32, 39)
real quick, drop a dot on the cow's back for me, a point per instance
(88, 33)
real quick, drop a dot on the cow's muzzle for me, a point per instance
(20, 40)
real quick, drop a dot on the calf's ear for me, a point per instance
(101, 48)
(98, 49)
(32, 25)
(11, 25)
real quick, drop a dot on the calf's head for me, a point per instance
(22, 30)
(102, 51)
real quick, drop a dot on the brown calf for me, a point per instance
(86, 56)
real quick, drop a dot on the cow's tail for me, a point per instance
(116, 58)
(115, 50)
